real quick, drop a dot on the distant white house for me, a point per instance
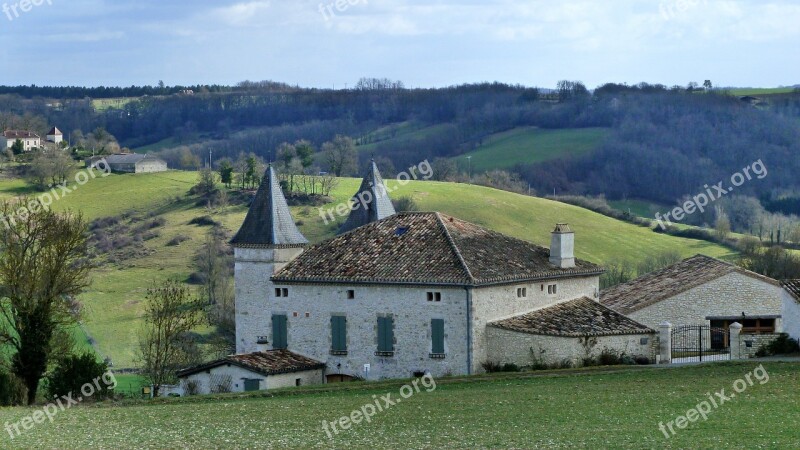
(55, 136)
(257, 371)
(29, 139)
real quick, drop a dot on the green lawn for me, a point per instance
(594, 409)
(102, 104)
(113, 304)
(641, 208)
(531, 145)
(761, 91)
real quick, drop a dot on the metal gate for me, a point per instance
(700, 343)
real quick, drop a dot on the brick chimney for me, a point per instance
(562, 247)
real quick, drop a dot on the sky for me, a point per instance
(330, 44)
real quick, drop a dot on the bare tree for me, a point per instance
(171, 313)
(341, 155)
(43, 266)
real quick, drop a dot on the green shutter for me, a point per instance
(385, 334)
(338, 333)
(279, 338)
(437, 336)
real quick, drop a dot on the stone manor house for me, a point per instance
(397, 295)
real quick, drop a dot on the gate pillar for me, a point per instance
(665, 343)
(736, 330)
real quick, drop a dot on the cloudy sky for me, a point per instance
(431, 43)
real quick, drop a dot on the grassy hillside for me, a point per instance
(531, 145)
(761, 91)
(114, 302)
(605, 408)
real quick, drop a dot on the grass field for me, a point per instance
(102, 104)
(641, 208)
(605, 408)
(531, 145)
(761, 91)
(113, 304)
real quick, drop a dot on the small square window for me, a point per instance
(308, 314)
(285, 292)
(437, 296)
(295, 314)
(277, 292)
(351, 294)
(298, 381)
(430, 296)
(643, 341)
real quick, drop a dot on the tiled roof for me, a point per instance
(125, 158)
(269, 222)
(575, 318)
(793, 287)
(426, 248)
(371, 203)
(270, 362)
(668, 282)
(55, 132)
(17, 134)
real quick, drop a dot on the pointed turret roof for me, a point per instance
(371, 202)
(269, 222)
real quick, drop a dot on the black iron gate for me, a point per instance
(699, 343)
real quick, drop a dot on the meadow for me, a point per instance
(599, 408)
(528, 145)
(113, 304)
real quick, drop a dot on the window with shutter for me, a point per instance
(338, 335)
(385, 336)
(437, 337)
(279, 338)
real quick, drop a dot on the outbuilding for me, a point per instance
(271, 369)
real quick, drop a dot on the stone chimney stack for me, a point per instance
(562, 247)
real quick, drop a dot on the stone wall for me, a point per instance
(729, 295)
(750, 343)
(309, 308)
(494, 303)
(252, 271)
(150, 166)
(791, 315)
(522, 349)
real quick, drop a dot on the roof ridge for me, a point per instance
(455, 247)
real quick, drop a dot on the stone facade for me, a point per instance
(232, 377)
(254, 291)
(730, 295)
(523, 349)
(494, 303)
(150, 165)
(791, 315)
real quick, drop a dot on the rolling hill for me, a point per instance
(113, 304)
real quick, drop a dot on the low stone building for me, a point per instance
(569, 334)
(272, 369)
(791, 308)
(700, 290)
(128, 163)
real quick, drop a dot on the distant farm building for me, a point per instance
(128, 163)
(55, 136)
(29, 139)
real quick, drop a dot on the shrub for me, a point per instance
(12, 390)
(177, 240)
(405, 204)
(609, 357)
(490, 366)
(203, 221)
(782, 345)
(73, 372)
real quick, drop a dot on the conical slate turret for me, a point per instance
(371, 202)
(269, 222)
